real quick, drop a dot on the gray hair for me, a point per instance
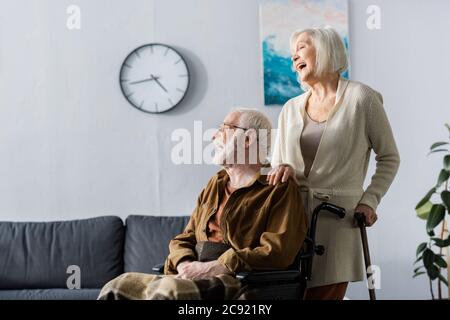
(252, 118)
(331, 55)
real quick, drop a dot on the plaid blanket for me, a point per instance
(142, 286)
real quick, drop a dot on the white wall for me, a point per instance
(72, 147)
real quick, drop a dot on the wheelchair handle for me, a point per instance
(340, 212)
(312, 249)
(324, 206)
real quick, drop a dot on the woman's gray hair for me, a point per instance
(252, 118)
(331, 55)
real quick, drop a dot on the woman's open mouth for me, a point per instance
(301, 66)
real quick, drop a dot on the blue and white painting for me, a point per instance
(278, 20)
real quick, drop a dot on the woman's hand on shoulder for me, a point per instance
(281, 173)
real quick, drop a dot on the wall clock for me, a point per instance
(154, 78)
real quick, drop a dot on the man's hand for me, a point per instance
(200, 270)
(180, 266)
(369, 213)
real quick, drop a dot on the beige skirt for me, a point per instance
(343, 257)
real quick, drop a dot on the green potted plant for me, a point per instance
(430, 256)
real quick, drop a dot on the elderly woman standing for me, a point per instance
(324, 141)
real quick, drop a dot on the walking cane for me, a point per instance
(361, 220)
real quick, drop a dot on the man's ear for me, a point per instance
(250, 137)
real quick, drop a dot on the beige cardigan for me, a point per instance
(356, 124)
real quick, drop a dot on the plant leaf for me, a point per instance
(428, 258)
(426, 198)
(417, 269)
(437, 144)
(433, 272)
(440, 262)
(443, 176)
(447, 162)
(437, 150)
(420, 248)
(418, 274)
(423, 211)
(441, 243)
(435, 217)
(417, 260)
(445, 196)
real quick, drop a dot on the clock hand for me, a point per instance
(159, 83)
(144, 80)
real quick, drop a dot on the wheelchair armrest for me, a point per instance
(256, 277)
(158, 268)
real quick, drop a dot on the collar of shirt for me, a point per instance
(224, 178)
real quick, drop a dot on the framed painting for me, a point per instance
(278, 20)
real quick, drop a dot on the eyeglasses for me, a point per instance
(227, 126)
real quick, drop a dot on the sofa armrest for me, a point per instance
(159, 268)
(260, 277)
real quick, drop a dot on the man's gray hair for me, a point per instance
(252, 118)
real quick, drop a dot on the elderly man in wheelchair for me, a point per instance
(245, 238)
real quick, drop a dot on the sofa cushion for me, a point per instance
(50, 294)
(147, 240)
(37, 254)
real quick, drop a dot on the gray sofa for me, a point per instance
(35, 256)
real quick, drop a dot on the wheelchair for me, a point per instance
(289, 284)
